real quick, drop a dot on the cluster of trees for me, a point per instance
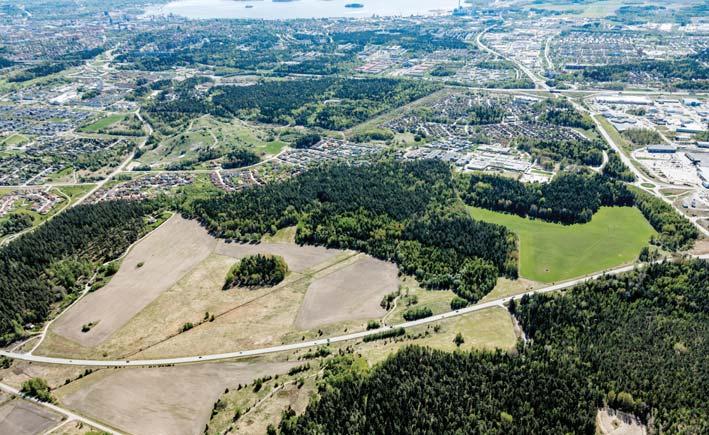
(307, 141)
(634, 342)
(561, 112)
(37, 388)
(575, 151)
(41, 70)
(50, 263)
(417, 313)
(642, 136)
(675, 231)
(639, 337)
(15, 223)
(240, 157)
(331, 103)
(615, 168)
(571, 197)
(257, 271)
(402, 212)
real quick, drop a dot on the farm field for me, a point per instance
(169, 400)
(553, 252)
(174, 277)
(351, 293)
(20, 417)
(150, 268)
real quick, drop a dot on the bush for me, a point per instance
(458, 303)
(37, 388)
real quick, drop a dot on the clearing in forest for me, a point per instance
(551, 252)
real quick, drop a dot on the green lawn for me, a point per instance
(15, 139)
(103, 123)
(554, 252)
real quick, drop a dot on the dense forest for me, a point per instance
(403, 212)
(330, 103)
(15, 223)
(562, 113)
(420, 390)
(634, 342)
(643, 343)
(615, 168)
(257, 271)
(49, 264)
(675, 232)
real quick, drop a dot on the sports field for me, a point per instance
(554, 252)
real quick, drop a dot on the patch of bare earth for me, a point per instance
(150, 268)
(169, 400)
(21, 417)
(350, 293)
(611, 422)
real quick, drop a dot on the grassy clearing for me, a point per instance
(103, 123)
(15, 140)
(486, 329)
(507, 287)
(413, 296)
(553, 252)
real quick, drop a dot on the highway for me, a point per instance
(312, 343)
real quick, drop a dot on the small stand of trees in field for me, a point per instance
(257, 271)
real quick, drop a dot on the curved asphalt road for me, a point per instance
(307, 344)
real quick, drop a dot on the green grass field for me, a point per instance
(554, 252)
(15, 139)
(103, 123)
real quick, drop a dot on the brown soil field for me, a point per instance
(350, 293)
(298, 258)
(21, 417)
(153, 401)
(167, 254)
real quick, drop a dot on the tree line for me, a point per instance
(52, 262)
(569, 198)
(405, 212)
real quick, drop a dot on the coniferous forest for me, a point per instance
(635, 343)
(52, 262)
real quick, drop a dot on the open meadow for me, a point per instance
(552, 252)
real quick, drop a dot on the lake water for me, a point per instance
(268, 9)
